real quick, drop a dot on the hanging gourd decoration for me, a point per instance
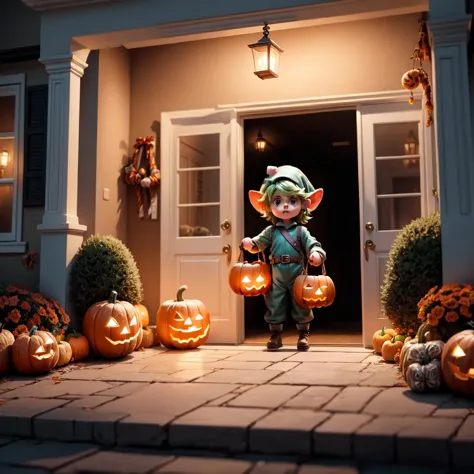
(380, 337)
(79, 346)
(182, 324)
(65, 353)
(113, 328)
(144, 316)
(6, 342)
(314, 291)
(391, 349)
(250, 279)
(35, 352)
(457, 363)
(421, 367)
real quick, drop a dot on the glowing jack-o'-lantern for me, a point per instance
(457, 363)
(182, 324)
(6, 343)
(250, 279)
(113, 328)
(35, 352)
(314, 291)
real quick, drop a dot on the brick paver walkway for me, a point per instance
(242, 403)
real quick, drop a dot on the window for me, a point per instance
(11, 162)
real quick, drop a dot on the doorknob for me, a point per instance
(226, 249)
(369, 227)
(225, 224)
(368, 244)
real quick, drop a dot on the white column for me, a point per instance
(61, 233)
(449, 27)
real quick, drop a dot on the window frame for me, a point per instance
(15, 85)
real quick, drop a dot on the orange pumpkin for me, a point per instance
(391, 349)
(182, 324)
(380, 337)
(144, 316)
(65, 353)
(149, 338)
(250, 279)
(35, 352)
(6, 343)
(314, 291)
(79, 346)
(113, 328)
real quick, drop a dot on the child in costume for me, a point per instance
(286, 199)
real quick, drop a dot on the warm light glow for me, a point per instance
(40, 350)
(4, 159)
(458, 352)
(49, 341)
(125, 330)
(319, 292)
(260, 279)
(266, 56)
(134, 321)
(188, 322)
(199, 317)
(112, 323)
(246, 279)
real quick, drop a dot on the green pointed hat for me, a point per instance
(287, 172)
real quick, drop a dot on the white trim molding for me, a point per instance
(14, 85)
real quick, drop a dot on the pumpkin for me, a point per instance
(380, 337)
(250, 279)
(79, 346)
(113, 328)
(143, 314)
(424, 377)
(65, 353)
(60, 337)
(182, 324)
(6, 343)
(35, 352)
(391, 348)
(457, 363)
(314, 291)
(149, 338)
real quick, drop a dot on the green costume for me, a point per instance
(284, 274)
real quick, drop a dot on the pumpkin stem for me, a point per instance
(33, 331)
(179, 294)
(419, 334)
(382, 332)
(113, 297)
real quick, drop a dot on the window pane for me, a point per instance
(6, 208)
(6, 156)
(198, 151)
(391, 138)
(398, 176)
(395, 213)
(198, 221)
(7, 114)
(198, 186)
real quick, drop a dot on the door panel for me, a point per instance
(394, 192)
(198, 169)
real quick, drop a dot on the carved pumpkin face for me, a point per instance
(457, 362)
(314, 291)
(113, 328)
(182, 324)
(35, 352)
(250, 279)
(411, 79)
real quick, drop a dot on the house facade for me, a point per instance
(111, 71)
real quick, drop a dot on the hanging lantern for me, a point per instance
(411, 149)
(3, 162)
(266, 56)
(260, 143)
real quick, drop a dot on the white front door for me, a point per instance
(395, 189)
(200, 223)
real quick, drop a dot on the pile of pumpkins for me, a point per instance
(111, 330)
(429, 365)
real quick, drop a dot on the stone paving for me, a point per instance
(238, 404)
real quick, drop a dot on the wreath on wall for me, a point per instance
(142, 173)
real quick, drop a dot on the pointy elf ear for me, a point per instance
(255, 197)
(313, 200)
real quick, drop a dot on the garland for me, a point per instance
(136, 174)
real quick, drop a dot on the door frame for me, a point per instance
(302, 106)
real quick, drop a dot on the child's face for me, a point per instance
(285, 207)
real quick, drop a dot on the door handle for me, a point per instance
(225, 224)
(227, 250)
(368, 245)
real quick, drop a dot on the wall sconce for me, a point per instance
(411, 149)
(3, 162)
(266, 56)
(260, 142)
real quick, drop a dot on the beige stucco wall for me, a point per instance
(346, 58)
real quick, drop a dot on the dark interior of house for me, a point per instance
(324, 147)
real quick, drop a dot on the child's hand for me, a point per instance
(247, 244)
(315, 259)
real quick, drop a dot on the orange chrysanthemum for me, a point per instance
(464, 310)
(451, 316)
(25, 305)
(14, 316)
(432, 320)
(13, 300)
(53, 319)
(450, 303)
(437, 312)
(19, 330)
(42, 311)
(464, 301)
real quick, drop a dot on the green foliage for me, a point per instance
(104, 263)
(413, 268)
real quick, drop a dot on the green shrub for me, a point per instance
(413, 268)
(104, 263)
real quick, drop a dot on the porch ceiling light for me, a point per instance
(3, 162)
(260, 143)
(266, 56)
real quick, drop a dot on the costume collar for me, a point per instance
(288, 226)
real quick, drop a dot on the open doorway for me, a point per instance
(324, 147)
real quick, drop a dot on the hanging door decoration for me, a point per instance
(143, 174)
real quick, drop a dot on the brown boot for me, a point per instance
(275, 341)
(303, 340)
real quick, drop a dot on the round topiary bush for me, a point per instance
(413, 268)
(104, 263)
